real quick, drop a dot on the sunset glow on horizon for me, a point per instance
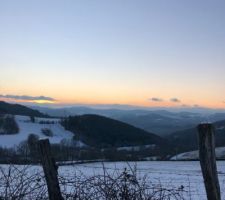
(143, 53)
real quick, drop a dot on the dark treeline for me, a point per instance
(8, 125)
(27, 152)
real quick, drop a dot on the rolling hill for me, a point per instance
(42, 127)
(17, 109)
(187, 140)
(93, 130)
(96, 130)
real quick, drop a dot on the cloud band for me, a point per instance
(27, 98)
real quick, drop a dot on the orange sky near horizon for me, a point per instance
(121, 97)
(120, 90)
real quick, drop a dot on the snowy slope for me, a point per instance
(26, 127)
(136, 148)
(193, 155)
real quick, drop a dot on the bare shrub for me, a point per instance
(20, 182)
(28, 182)
(117, 185)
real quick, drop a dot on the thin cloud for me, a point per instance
(27, 98)
(156, 99)
(196, 106)
(175, 100)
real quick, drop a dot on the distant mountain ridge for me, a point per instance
(160, 122)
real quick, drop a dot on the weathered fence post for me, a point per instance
(50, 170)
(207, 156)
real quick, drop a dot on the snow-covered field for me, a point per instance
(26, 127)
(170, 174)
(194, 155)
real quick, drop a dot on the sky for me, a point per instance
(134, 52)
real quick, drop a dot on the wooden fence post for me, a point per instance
(207, 156)
(50, 170)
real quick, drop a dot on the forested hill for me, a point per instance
(98, 131)
(16, 109)
(187, 140)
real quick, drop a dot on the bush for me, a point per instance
(32, 119)
(8, 125)
(24, 182)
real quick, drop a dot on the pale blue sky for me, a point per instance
(118, 51)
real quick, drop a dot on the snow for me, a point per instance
(170, 174)
(51, 120)
(152, 158)
(26, 127)
(220, 128)
(193, 155)
(136, 148)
